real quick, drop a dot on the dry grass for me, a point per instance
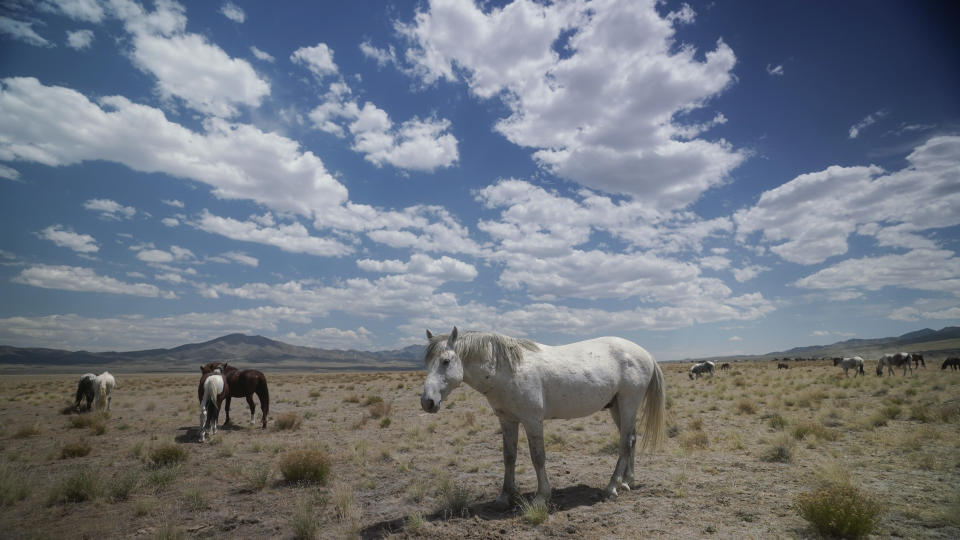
(742, 448)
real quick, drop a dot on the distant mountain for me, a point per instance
(890, 344)
(239, 349)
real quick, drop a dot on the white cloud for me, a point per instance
(318, 59)
(81, 10)
(110, 209)
(173, 202)
(73, 332)
(609, 115)
(170, 222)
(444, 268)
(865, 123)
(81, 243)
(748, 272)
(148, 254)
(735, 338)
(383, 57)
(79, 40)
(292, 237)
(775, 70)
(187, 66)
(10, 173)
(22, 31)
(928, 270)
(332, 338)
(233, 12)
(74, 278)
(810, 218)
(59, 126)
(261, 55)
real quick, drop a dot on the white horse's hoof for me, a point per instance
(625, 486)
(610, 494)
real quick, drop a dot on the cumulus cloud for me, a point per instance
(80, 279)
(80, 39)
(291, 237)
(186, 66)
(318, 59)
(109, 209)
(610, 112)
(444, 268)
(810, 218)
(332, 338)
(927, 270)
(58, 126)
(261, 55)
(775, 70)
(233, 12)
(81, 243)
(22, 31)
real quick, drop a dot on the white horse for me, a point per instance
(900, 359)
(527, 383)
(104, 384)
(210, 403)
(701, 367)
(855, 362)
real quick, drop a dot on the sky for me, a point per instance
(701, 178)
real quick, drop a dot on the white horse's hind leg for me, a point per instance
(539, 457)
(625, 416)
(510, 436)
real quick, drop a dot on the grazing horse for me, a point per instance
(86, 388)
(244, 383)
(900, 359)
(846, 363)
(211, 391)
(701, 367)
(725, 366)
(103, 386)
(781, 365)
(918, 360)
(951, 362)
(526, 383)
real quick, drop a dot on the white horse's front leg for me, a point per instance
(539, 457)
(510, 436)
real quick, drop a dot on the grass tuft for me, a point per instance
(307, 465)
(287, 421)
(535, 512)
(839, 511)
(168, 454)
(74, 449)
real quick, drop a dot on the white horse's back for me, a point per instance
(104, 384)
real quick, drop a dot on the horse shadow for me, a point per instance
(561, 500)
(191, 434)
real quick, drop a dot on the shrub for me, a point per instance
(777, 421)
(287, 420)
(839, 510)
(304, 521)
(257, 477)
(121, 486)
(75, 449)
(307, 465)
(80, 484)
(379, 409)
(695, 439)
(781, 451)
(168, 454)
(745, 406)
(454, 499)
(27, 431)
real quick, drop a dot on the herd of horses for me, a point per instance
(524, 382)
(890, 361)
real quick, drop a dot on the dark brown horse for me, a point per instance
(725, 366)
(781, 365)
(244, 383)
(917, 360)
(952, 362)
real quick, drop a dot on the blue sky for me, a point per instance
(701, 178)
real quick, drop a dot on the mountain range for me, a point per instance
(264, 353)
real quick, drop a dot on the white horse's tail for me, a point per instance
(654, 411)
(211, 389)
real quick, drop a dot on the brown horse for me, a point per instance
(952, 362)
(211, 392)
(244, 383)
(781, 365)
(725, 366)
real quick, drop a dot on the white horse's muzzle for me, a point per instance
(429, 404)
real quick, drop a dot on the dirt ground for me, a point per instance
(742, 446)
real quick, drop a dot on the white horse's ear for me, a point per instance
(453, 337)
(429, 334)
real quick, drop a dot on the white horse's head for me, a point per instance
(444, 370)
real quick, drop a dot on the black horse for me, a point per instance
(951, 362)
(86, 388)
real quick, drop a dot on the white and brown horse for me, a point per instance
(900, 359)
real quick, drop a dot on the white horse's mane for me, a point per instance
(504, 351)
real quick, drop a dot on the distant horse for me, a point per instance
(244, 383)
(781, 365)
(918, 360)
(86, 388)
(526, 382)
(103, 386)
(951, 362)
(854, 362)
(211, 391)
(725, 366)
(702, 367)
(891, 361)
